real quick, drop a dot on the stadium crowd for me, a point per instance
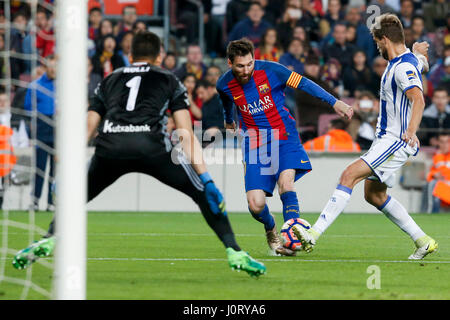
(327, 41)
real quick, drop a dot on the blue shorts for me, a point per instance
(263, 165)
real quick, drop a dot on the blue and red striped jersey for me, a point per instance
(260, 102)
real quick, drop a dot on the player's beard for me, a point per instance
(243, 79)
(384, 53)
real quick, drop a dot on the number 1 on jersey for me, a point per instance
(133, 84)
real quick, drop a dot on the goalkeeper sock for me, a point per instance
(333, 209)
(398, 215)
(264, 217)
(290, 205)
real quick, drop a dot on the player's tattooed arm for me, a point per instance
(414, 95)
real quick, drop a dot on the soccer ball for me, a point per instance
(288, 237)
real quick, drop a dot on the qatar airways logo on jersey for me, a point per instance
(257, 106)
(109, 127)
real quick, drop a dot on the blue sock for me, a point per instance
(290, 205)
(264, 217)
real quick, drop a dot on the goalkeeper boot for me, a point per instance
(424, 246)
(307, 237)
(240, 260)
(274, 242)
(38, 249)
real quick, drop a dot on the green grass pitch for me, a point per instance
(176, 256)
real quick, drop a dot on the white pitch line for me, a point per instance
(270, 260)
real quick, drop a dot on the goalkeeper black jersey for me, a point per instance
(133, 103)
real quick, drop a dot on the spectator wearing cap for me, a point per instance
(310, 108)
(252, 27)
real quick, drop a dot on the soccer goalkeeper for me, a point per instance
(129, 108)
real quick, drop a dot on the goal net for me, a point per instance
(37, 55)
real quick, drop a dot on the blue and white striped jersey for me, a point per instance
(402, 73)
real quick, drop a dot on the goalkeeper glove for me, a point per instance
(213, 195)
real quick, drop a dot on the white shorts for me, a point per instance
(385, 156)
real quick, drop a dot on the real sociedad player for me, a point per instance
(272, 151)
(402, 105)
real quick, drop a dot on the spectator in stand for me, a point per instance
(194, 63)
(437, 72)
(269, 15)
(170, 61)
(45, 39)
(17, 35)
(212, 110)
(340, 49)
(406, 12)
(269, 47)
(436, 14)
(235, 12)
(106, 59)
(187, 14)
(293, 60)
(129, 17)
(379, 66)
(335, 140)
(309, 107)
(358, 75)
(409, 37)
(332, 75)
(334, 14)
(213, 74)
(384, 7)
(215, 42)
(350, 36)
(252, 27)
(435, 194)
(436, 116)
(138, 26)
(125, 47)
(299, 32)
(364, 38)
(95, 17)
(106, 28)
(195, 104)
(363, 125)
(420, 34)
(40, 96)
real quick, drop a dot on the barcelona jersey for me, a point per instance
(264, 118)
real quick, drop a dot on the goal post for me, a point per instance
(71, 107)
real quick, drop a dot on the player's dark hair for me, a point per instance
(146, 45)
(338, 124)
(388, 25)
(240, 48)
